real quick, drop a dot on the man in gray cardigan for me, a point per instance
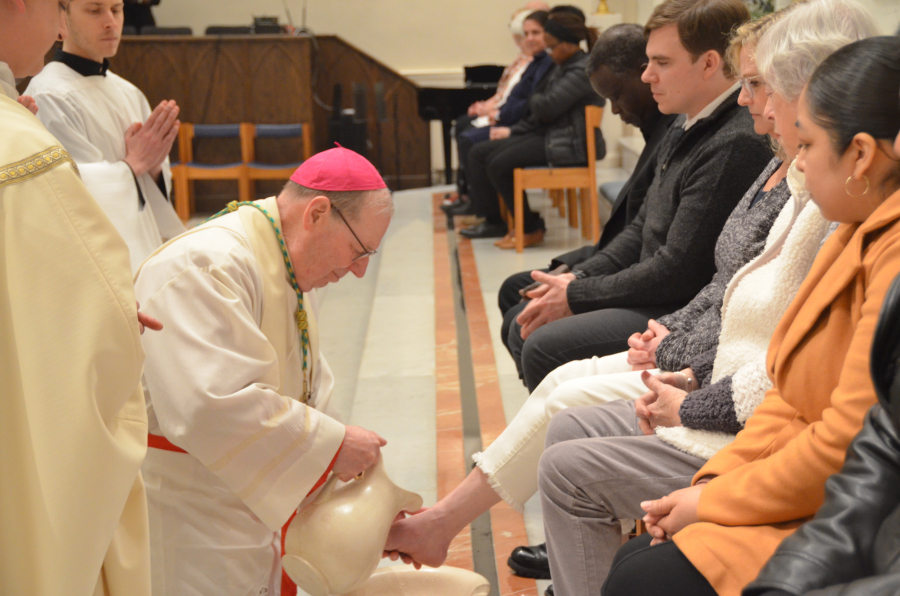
(707, 160)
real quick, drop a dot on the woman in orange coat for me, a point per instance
(771, 479)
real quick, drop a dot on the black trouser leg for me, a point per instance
(481, 190)
(508, 296)
(519, 152)
(462, 125)
(661, 570)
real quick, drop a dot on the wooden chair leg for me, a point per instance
(191, 192)
(519, 210)
(572, 206)
(594, 210)
(504, 212)
(583, 198)
(558, 202)
(182, 195)
(638, 530)
(244, 189)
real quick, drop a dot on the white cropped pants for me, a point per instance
(511, 462)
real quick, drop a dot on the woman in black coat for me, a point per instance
(552, 132)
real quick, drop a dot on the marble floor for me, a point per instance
(378, 334)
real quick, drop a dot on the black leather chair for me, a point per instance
(886, 347)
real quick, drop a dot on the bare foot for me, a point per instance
(421, 537)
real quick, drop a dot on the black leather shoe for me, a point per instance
(460, 208)
(531, 561)
(549, 590)
(448, 206)
(485, 230)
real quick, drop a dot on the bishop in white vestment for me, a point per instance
(89, 109)
(236, 388)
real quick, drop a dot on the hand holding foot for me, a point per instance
(418, 539)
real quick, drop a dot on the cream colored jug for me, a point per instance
(334, 544)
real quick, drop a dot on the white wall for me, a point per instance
(411, 36)
(416, 36)
(428, 40)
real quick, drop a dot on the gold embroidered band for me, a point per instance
(35, 165)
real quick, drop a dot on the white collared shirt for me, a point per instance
(711, 106)
(8, 82)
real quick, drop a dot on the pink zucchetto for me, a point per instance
(338, 169)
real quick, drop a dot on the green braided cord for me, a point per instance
(304, 332)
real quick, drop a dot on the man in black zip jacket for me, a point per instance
(615, 66)
(706, 161)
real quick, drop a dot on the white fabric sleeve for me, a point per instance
(211, 376)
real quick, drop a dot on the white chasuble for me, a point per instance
(224, 382)
(89, 115)
(73, 427)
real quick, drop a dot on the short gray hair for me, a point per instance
(348, 202)
(792, 48)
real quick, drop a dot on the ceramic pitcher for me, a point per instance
(334, 544)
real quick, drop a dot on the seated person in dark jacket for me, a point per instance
(551, 132)
(138, 13)
(707, 160)
(851, 547)
(615, 65)
(514, 107)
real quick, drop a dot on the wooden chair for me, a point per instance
(265, 171)
(570, 179)
(639, 528)
(189, 170)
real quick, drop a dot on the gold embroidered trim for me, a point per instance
(35, 165)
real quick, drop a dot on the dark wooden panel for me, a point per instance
(400, 146)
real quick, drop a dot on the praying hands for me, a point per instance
(148, 144)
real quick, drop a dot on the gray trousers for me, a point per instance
(596, 469)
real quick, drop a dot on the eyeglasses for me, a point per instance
(746, 84)
(365, 251)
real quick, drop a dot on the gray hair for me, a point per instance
(348, 202)
(792, 48)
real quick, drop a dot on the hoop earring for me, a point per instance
(847, 189)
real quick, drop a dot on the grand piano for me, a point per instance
(446, 104)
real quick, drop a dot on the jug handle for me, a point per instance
(325, 493)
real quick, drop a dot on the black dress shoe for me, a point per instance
(447, 206)
(485, 230)
(531, 561)
(549, 590)
(460, 208)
